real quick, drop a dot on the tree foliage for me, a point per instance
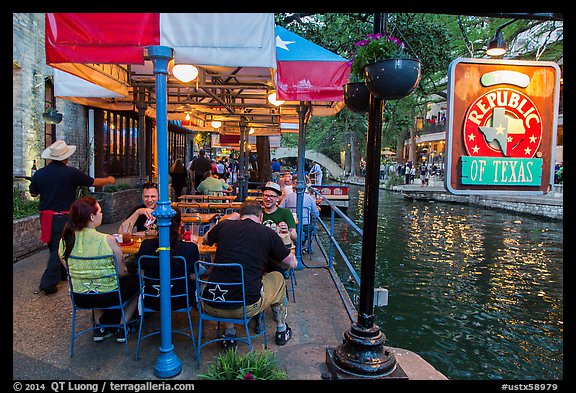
(434, 39)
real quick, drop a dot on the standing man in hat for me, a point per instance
(56, 184)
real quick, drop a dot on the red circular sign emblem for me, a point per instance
(503, 123)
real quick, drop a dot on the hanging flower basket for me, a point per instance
(51, 116)
(392, 79)
(357, 97)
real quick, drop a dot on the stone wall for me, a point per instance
(30, 74)
(26, 237)
(117, 205)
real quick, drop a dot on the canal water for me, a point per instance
(478, 293)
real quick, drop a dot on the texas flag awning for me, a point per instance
(225, 39)
(94, 46)
(306, 71)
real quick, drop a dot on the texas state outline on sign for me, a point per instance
(503, 123)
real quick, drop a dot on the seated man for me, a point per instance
(141, 216)
(279, 219)
(253, 245)
(309, 210)
(287, 188)
(213, 185)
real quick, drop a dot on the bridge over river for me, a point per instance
(327, 164)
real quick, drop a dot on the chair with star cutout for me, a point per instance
(217, 294)
(182, 296)
(91, 278)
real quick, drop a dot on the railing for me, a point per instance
(334, 246)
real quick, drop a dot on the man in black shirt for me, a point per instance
(56, 184)
(199, 166)
(248, 242)
(141, 216)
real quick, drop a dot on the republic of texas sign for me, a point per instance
(502, 120)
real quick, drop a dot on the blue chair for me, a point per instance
(77, 277)
(236, 270)
(150, 296)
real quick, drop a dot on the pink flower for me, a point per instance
(248, 377)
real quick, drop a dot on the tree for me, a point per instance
(435, 39)
(264, 165)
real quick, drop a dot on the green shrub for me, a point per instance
(394, 180)
(229, 365)
(22, 206)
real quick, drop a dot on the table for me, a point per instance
(207, 198)
(135, 247)
(193, 217)
(206, 205)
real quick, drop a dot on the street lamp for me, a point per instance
(498, 46)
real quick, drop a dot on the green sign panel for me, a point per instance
(501, 171)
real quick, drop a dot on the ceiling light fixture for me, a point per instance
(273, 100)
(216, 123)
(185, 72)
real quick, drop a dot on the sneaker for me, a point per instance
(283, 337)
(228, 341)
(102, 334)
(259, 325)
(131, 327)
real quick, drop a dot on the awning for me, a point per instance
(306, 71)
(109, 51)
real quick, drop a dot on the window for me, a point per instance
(120, 144)
(49, 101)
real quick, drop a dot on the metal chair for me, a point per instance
(221, 288)
(150, 295)
(108, 282)
(310, 229)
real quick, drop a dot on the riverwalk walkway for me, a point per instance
(41, 333)
(550, 205)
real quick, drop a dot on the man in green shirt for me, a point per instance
(212, 185)
(278, 218)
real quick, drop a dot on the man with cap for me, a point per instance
(278, 218)
(56, 184)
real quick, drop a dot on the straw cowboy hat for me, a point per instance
(58, 151)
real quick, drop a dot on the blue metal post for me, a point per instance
(167, 365)
(303, 112)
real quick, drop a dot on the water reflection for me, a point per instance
(476, 292)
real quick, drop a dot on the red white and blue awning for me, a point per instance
(306, 71)
(100, 58)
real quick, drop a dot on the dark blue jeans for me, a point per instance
(55, 270)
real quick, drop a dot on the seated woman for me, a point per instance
(80, 238)
(151, 267)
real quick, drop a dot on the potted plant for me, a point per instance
(387, 71)
(52, 116)
(230, 365)
(357, 96)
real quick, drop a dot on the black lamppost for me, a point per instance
(362, 353)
